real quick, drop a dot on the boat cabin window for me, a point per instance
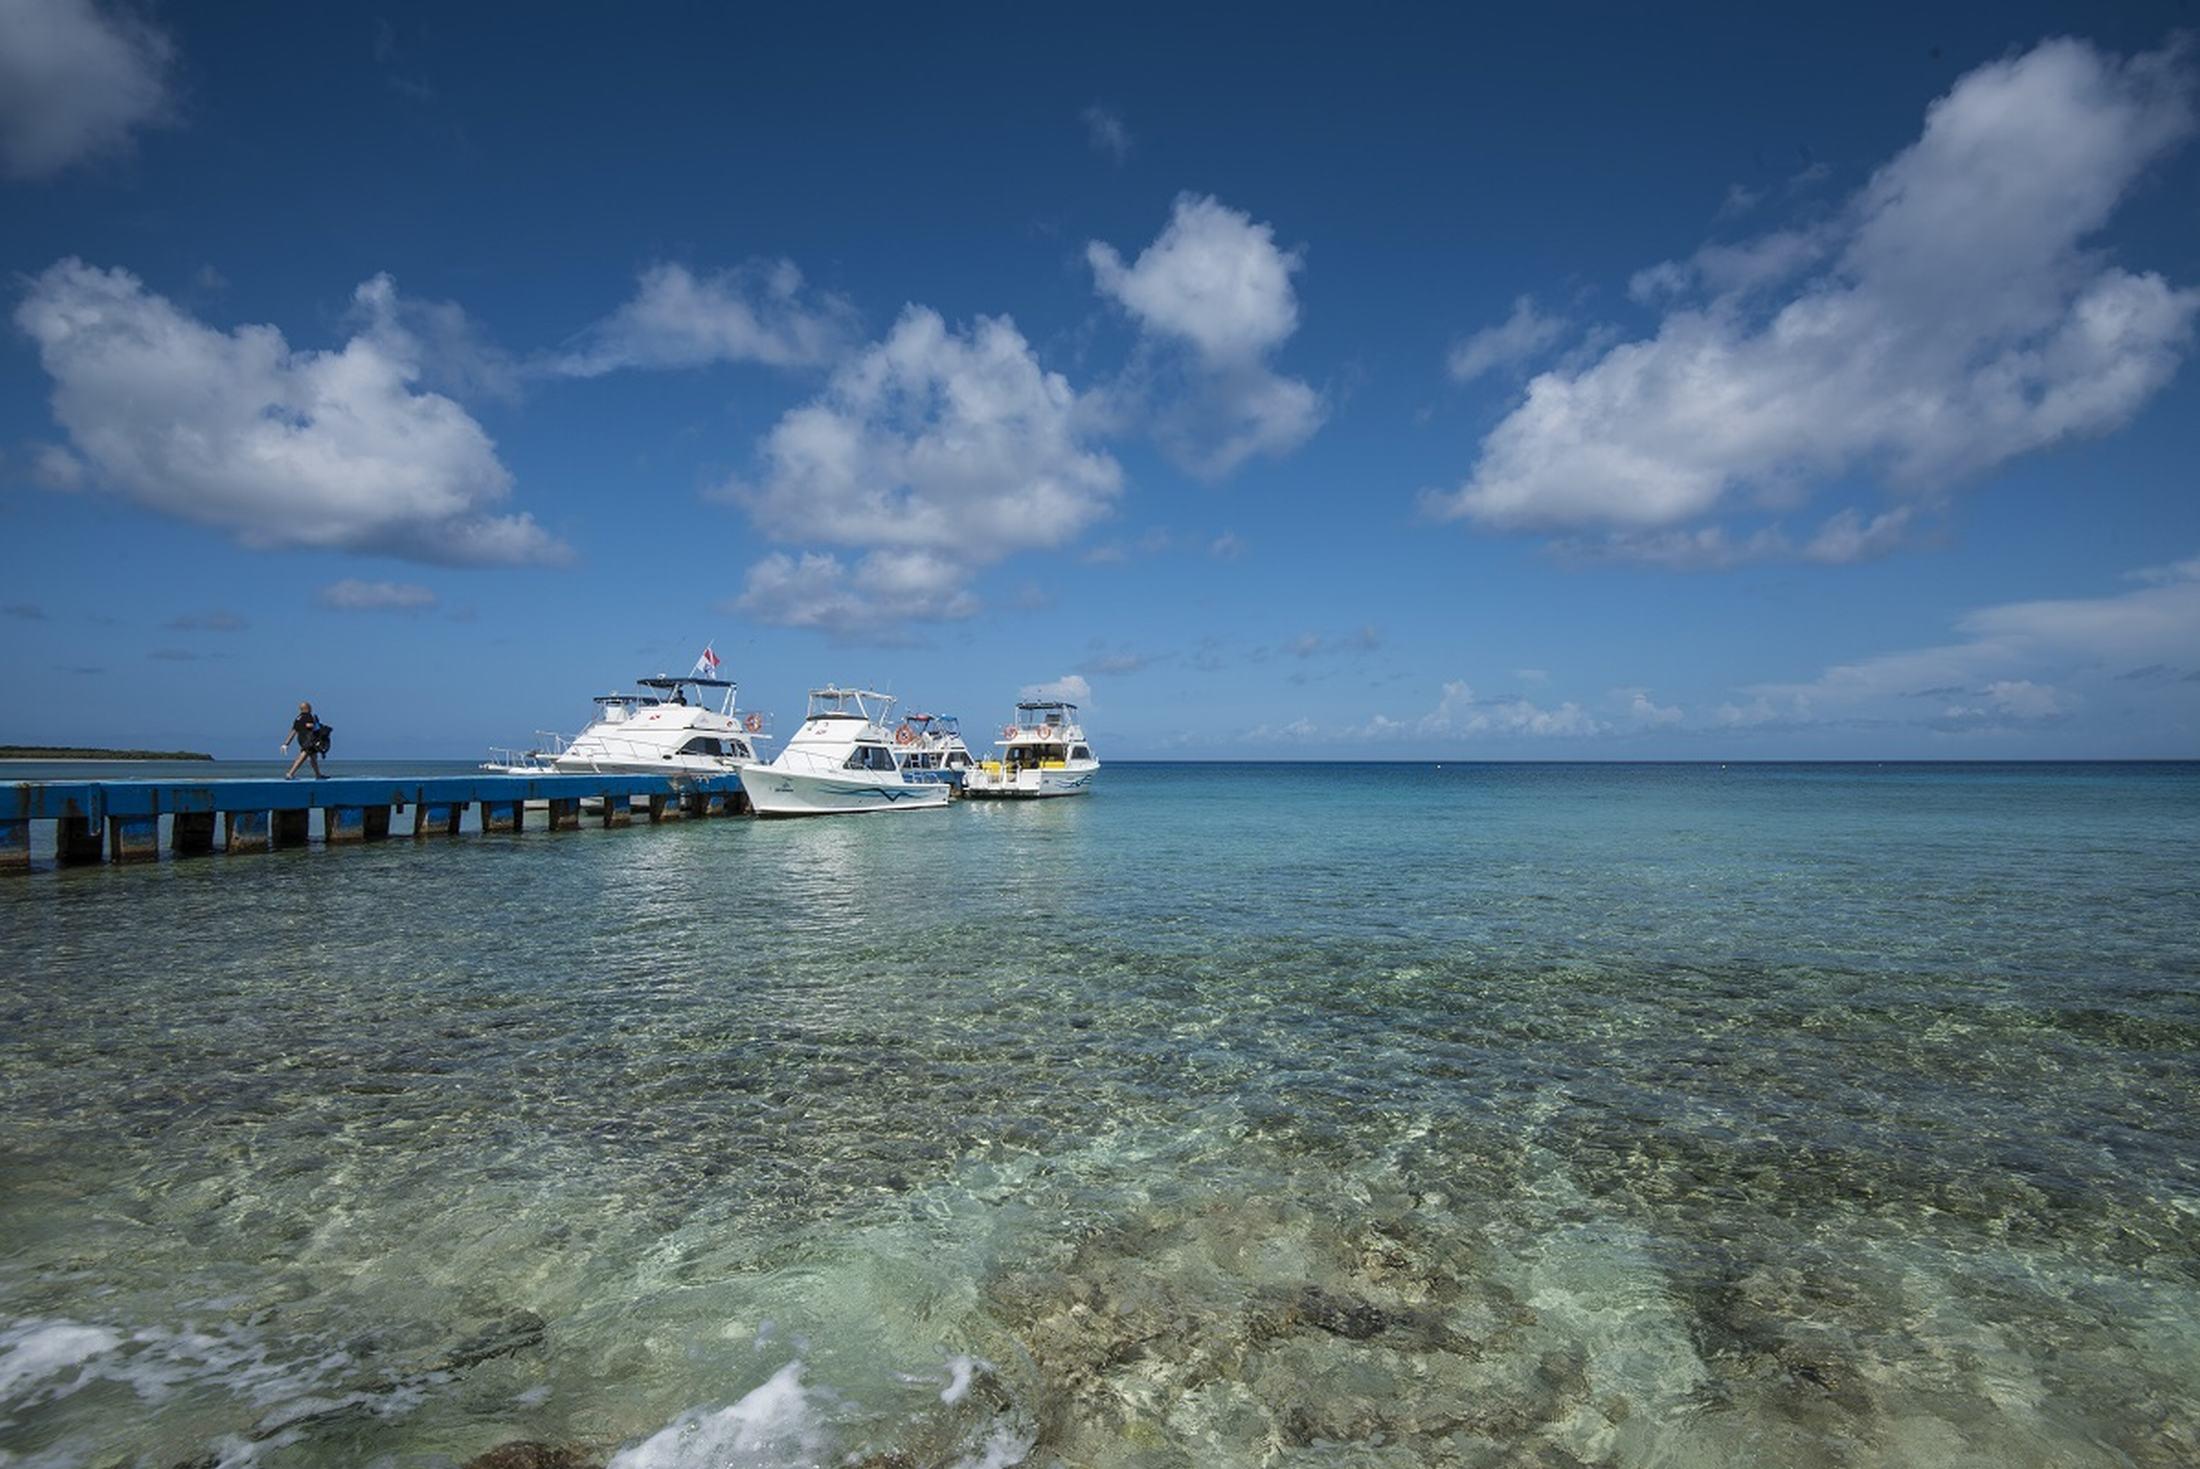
(1080, 753)
(869, 757)
(702, 745)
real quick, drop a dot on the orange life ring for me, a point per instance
(1008, 731)
(905, 736)
(754, 724)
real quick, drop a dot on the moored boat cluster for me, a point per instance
(849, 755)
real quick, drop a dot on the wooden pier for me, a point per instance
(120, 820)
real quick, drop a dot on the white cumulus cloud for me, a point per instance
(1646, 711)
(759, 313)
(1070, 688)
(76, 79)
(1517, 339)
(1213, 295)
(1460, 715)
(1950, 318)
(936, 450)
(2009, 664)
(279, 446)
(877, 599)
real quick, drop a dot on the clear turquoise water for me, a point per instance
(1239, 1115)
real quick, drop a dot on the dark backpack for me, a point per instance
(320, 738)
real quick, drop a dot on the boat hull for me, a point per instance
(797, 793)
(1028, 784)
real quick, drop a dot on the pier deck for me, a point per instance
(121, 819)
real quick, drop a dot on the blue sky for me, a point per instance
(1372, 383)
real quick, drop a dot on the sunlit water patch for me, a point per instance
(1247, 1115)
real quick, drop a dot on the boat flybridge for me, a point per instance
(932, 749)
(668, 726)
(1043, 753)
(840, 762)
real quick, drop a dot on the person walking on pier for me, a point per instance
(312, 738)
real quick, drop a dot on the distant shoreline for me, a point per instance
(79, 752)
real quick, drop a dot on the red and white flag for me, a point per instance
(707, 665)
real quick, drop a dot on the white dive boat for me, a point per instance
(932, 749)
(839, 762)
(669, 727)
(1043, 753)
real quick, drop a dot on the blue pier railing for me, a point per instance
(122, 819)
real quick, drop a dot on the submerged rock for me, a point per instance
(515, 1333)
(530, 1454)
(1249, 1320)
(1343, 1316)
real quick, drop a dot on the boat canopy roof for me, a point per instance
(667, 688)
(833, 702)
(1035, 706)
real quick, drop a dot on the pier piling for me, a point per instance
(247, 831)
(133, 838)
(436, 819)
(15, 846)
(345, 824)
(503, 816)
(565, 813)
(618, 811)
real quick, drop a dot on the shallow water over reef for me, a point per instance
(1252, 1115)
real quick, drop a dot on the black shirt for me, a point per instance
(303, 727)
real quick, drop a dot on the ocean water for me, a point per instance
(1234, 1115)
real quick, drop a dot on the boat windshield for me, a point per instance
(1044, 717)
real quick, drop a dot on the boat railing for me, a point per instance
(547, 747)
(506, 758)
